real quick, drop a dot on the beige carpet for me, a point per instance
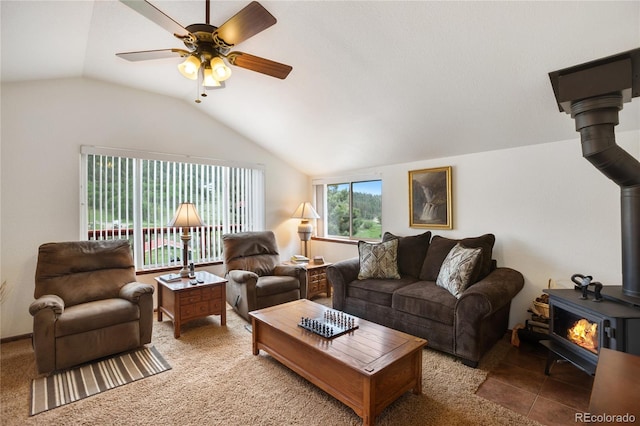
(216, 380)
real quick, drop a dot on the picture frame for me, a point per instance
(430, 198)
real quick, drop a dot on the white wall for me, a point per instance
(44, 123)
(553, 213)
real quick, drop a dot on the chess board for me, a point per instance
(331, 324)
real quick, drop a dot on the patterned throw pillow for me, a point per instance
(457, 268)
(378, 260)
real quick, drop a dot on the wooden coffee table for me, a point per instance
(367, 368)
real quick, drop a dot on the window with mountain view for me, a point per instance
(354, 210)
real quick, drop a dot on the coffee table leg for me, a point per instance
(254, 329)
(368, 402)
(417, 389)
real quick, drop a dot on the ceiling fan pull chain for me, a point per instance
(204, 88)
(198, 91)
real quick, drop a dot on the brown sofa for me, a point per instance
(466, 327)
(88, 304)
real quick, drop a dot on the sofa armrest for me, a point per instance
(482, 312)
(45, 310)
(290, 270)
(491, 293)
(297, 271)
(48, 301)
(133, 290)
(242, 277)
(142, 295)
(340, 274)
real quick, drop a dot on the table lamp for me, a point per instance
(305, 211)
(186, 217)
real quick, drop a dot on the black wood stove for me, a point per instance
(579, 327)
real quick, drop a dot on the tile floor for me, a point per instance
(519, 383)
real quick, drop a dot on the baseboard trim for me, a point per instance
(15, 338)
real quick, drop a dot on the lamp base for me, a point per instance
(305, 229)
(184, 272)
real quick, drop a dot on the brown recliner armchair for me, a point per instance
(255, 277)
(88, 304)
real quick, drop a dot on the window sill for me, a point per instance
(174, 268)
(335, 240)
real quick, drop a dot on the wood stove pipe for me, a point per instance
(595, 120)
(593, 93)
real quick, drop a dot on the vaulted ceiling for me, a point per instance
(373, 82)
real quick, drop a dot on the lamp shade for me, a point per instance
(221, 72)
(209, 80)
(305, 211)
(189, 68)
(186, 216)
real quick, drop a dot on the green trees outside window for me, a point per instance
(355, 209)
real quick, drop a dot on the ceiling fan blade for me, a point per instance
(146, 55)
(244, 24)
(154, 14)
(258, 64)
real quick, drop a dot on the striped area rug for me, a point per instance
(77, 383)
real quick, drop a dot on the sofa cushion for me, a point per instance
(440, 248)
(95, 315)
(379, 292)
(425, 299)
(457, 269)
(378, 260)
(411, 252)
(269, 285)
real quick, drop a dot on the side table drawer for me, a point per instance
(196, 310)
(315, 286)
(317, 276)
(215, 307)
(317, 281)
(212, 293)
(191, 296)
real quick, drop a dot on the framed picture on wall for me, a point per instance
(430, 198)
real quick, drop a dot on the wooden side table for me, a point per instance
(317, 282)
(183, 301)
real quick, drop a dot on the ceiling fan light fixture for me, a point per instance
(221, 72)
(189, 68)
(209, 80)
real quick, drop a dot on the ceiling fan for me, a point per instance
(207, 45)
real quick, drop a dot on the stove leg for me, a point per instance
(551, 357)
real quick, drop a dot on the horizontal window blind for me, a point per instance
(135, 198)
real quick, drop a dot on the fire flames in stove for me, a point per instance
(585, 334)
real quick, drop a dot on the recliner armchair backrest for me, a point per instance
(84, 271)
(251, 251)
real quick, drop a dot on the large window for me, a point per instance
(352, 209)
(133, 196)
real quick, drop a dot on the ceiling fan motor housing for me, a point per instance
(205, 46)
